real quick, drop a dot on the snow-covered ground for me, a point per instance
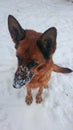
(56, 110)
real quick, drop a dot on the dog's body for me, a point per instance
(35, 51)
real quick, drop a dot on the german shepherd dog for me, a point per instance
(34, 51)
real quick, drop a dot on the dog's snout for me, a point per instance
(22, 76)
(17, 86)
(14, 85)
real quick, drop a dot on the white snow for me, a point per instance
(56, 110)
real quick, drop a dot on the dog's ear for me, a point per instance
(16, 31)
(47, 42)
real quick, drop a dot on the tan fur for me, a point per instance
(28, 50)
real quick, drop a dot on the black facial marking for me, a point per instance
(19, 60)
(31, 64)
(45, 48)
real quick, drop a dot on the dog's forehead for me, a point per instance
(31, 34)
(31, 38)
(29, 42)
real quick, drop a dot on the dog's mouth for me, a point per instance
(22, 77)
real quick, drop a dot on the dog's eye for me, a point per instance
(19, 60)
(31, 64)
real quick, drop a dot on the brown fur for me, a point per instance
(38, 47)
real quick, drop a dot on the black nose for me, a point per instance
(14, 86)
(17, 86)
(31, 64)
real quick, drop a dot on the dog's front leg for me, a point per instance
(29, 96)
(39, 95)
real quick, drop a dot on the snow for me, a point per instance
(56, 110)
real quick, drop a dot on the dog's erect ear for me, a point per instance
(47, 42)
(16, 31)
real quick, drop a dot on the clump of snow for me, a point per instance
(56, 110)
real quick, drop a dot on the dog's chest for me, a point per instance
(40, 80)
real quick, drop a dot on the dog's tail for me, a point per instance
(59, 69)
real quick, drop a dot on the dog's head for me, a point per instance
(33, 49)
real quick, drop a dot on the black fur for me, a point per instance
(19, 60)
(45, 48)
(31, 64)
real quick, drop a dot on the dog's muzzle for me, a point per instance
(22, 77)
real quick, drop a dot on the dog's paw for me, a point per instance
(29, 99)
(38, 99)
(46, 86)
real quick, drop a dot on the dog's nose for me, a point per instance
(14, 86)
(17, 86)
